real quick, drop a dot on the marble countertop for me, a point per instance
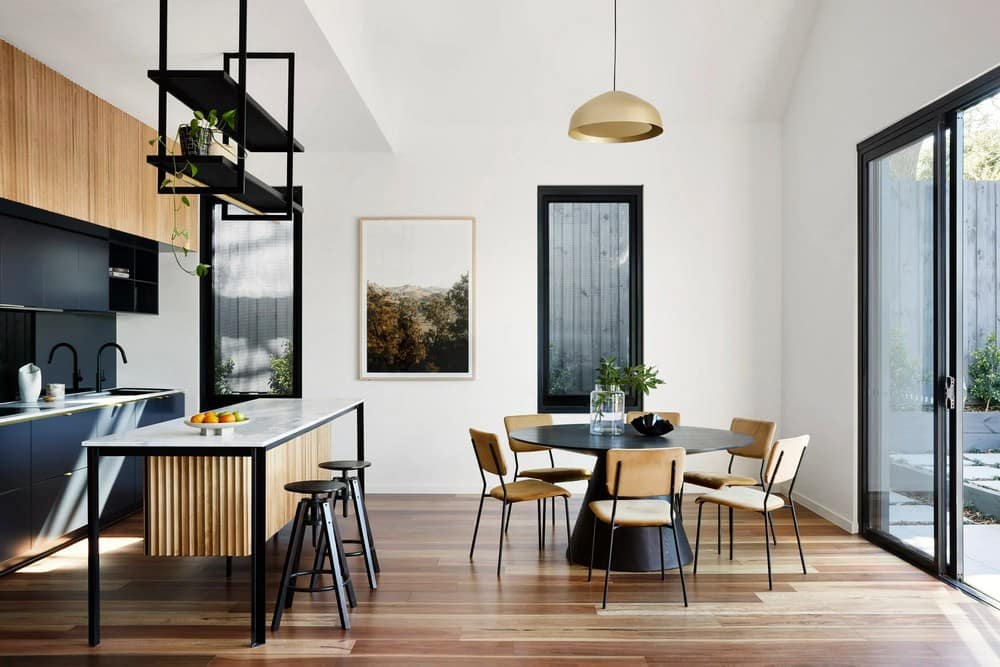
(29, 411)
(272, 421)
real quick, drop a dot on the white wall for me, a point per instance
(712, 301)
(163, 350)
(712, 281)
(867, 65)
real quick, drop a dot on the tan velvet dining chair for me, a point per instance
(783, 462)
(491, 460)
(552, 474)
(762, 433)
(635, 477)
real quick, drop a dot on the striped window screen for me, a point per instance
(253, 280)
(589, 289)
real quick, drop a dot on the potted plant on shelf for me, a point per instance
(607, 401)
(195, 139)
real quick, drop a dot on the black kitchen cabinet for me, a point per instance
(92, 274)
(21, 271)
(55, 443)
(15, 456)
(50, 508)
(15, 523)
(156, 410)
(58, 507)
(119, 471)
(60, 269)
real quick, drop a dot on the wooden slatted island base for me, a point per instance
(210, 495)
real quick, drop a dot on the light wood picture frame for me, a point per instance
(417, 305)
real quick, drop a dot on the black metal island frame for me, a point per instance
(286, 439)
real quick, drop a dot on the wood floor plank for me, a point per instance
(857, 604)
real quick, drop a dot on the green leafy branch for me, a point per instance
(198, 126)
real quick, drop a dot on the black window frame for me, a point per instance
(209, 400)
(942, 115)
(551, 194)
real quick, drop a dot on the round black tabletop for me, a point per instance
(694, 439)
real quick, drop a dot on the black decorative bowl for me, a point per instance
(652, 425)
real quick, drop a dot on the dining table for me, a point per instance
(636, 549)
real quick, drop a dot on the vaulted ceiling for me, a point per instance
(369, 72)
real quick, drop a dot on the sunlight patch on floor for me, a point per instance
(75, 555)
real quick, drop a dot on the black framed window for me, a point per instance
(251, 315)
(589, 289)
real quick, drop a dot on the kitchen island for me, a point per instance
(221, 495)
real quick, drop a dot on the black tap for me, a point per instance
(100, 374)
(77, 375)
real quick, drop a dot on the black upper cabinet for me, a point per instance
(92, 269)
(59, 274)
(47, 267)
(23, 245)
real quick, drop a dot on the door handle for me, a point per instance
(948, 392)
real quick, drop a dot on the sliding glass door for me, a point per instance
(929, 337)
(902, 332)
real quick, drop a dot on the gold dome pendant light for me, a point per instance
(615, 117)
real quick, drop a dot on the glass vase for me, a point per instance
(607, 410)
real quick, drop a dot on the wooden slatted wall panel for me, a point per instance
(200, 506)
(65, 150)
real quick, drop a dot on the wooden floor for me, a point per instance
(857, 605)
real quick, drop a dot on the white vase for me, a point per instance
(29, 382)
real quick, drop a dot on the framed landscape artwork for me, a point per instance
(417, 298)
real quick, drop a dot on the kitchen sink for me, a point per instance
(132, 391)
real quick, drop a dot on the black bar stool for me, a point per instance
(353, 491)
(329, 547)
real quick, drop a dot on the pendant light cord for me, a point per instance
(614, 59)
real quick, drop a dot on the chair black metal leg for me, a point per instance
(475, 531)
(767, 545)
(718, 526)
(334, 550)
(798, 539)
(503, 508)
(568, 540)
(319, 556)
(697, 537)
(286, 571)
(680, 566)
(539, 514)
(663, 571)
(314, 520)
(507, 525)
(298, 537)
(553, 518)
(593, 541)
(770, 520)
(730, 533)
(365, 537)
(347, 491)
(607, 571)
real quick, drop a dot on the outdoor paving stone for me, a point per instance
(993, 485)
(911, 514)
(900, 499)
(976, 472)
(919, 460)
(987, 459)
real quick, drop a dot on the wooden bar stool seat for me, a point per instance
(329, 548)
(352, 491)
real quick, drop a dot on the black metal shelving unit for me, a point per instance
(255, 130)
